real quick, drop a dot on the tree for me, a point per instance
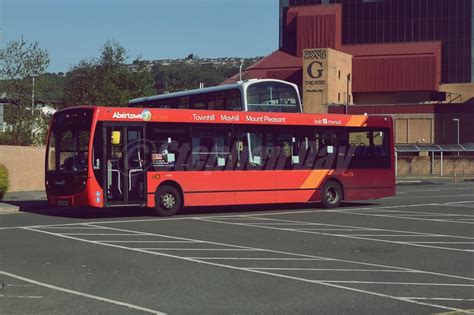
(107, 80)
(20, 62)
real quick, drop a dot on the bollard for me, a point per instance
(455, 177)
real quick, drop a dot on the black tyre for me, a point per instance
(168, 201)
(331, 195)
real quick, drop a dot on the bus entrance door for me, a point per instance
(125, 165)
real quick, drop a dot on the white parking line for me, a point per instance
(442, 242)
(369, 237)
(74, 227)
(401, 283)
(430, 196)
(438, 299)
(326, 283)
(101, 234)
(334, 270)
(261, 258)
(22, 296)
(406, 217)
(90, 296)
(201, 249)
(170, 242)
(458, 202)
(290, 212)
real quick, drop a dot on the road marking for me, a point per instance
(73, 228)
(288, 253)
(457, 202)
(101, 234)
(21, 296)
(430, 196)
(406, 218)
(271, 213)
(400, 283)
(260, 258)
(438, 299)
(325, 283)
(91, 296)
(202, 249)
(350, 236)
(347, 230)
(335, 285)
(171, 242)
(290, 212)
(336, 270)
(442, 242)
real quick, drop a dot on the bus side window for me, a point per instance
(169, 146)
(198, 101)
(233, 100)
(216, 101)
(183, 102)
(371, 148)
(211, 148)
(222, 148)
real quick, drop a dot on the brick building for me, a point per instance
(413, 59)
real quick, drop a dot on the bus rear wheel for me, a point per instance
(331, 195)
(168, 201)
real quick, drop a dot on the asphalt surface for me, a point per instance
(410, 254)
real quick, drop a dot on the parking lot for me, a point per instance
(412, 253)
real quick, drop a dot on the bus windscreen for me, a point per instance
(69, 141)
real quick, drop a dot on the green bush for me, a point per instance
(3, 181)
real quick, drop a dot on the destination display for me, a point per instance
(225, 117)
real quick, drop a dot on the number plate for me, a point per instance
(63, 203)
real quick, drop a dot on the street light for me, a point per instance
(457, 122)
(33, 96)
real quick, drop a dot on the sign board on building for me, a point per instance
(325, 79)
(315, 73)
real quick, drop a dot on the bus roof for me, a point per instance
(224, 87)
(132, 114)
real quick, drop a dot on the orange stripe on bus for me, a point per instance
(356, 121)
(315, 178)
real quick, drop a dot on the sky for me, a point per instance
(73, 30)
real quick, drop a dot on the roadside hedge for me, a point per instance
(3, 181)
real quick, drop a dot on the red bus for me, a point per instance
(168, 159)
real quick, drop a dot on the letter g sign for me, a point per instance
(319, 69)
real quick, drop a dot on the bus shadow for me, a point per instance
(253, 209)
(41, 207)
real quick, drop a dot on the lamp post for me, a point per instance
(457, 122)
(33, 96)
(346, 108)
(240, 69)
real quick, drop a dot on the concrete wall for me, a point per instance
(433, 128)
(414, 128)
(25, 165)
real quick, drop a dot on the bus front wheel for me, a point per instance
(331, 195)
(168, 201)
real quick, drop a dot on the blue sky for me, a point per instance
(72, 30)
